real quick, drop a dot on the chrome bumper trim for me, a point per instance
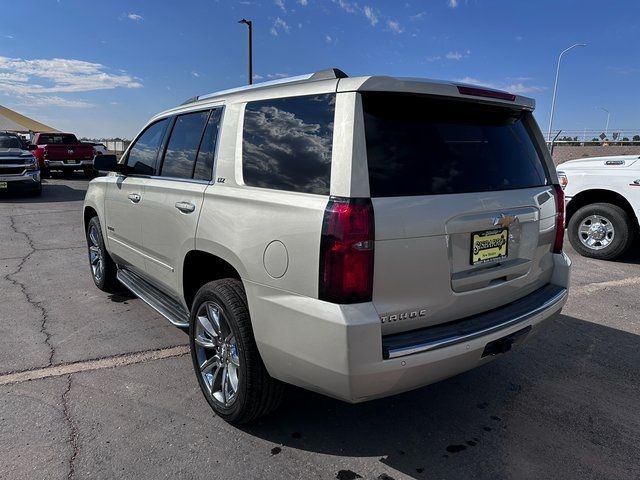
(548, 304)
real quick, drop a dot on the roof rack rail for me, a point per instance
(327, 74)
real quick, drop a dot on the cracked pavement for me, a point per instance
(562, 406)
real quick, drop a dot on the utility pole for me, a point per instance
(249, 24)
(555, 85)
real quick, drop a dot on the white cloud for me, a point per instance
(513, 85)
(417, 16)
(257, 76)
(279, 25)
(58, 75)
(50, 101)
(453, 3)
(134, 16)
(328, 39)
(435, 58)
(280, 3)
(195, 74)
(10, 37)
(347, 6)
(394, 26)
(273, 76)
(304, 3)
(457, 55)
(371, 15)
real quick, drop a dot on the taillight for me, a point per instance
(560, 214)
(346, 251)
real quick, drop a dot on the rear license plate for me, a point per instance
(489, 245)
(3, 184)
(72, 161)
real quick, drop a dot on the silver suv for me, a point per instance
(358, 237)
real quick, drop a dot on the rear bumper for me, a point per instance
(63, 165)
(338, 350)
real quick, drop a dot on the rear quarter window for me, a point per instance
(57, 139)
(287, 143)
(425, 146)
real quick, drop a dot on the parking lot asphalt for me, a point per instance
(564, 405)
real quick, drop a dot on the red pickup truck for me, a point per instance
(62, 151)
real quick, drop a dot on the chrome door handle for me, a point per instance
(185, 207)
(134, 197)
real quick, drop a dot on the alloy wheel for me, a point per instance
(217, 353)
(596, 232)
(95, 254)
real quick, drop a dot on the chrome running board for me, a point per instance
(160, 302)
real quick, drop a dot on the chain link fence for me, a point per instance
(595, 137)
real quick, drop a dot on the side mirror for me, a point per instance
(32, 147)
(108, 163)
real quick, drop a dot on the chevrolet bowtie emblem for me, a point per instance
(504, 220)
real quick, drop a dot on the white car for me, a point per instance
(99, 148)
(358, 237)
(603, 204)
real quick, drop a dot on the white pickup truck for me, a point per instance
(603, 204)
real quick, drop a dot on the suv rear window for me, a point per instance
(287, 143)
(425, 146)
(57, 139)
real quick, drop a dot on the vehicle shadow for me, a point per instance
(564, 405)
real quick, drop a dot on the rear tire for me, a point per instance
(601, 230)
(89, 172)
(223, 347)
(103, 268)
(45, 173)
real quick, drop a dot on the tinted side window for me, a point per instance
(424, 146)
(143, 153)
(182, 148)
(206, 155)
(287, 143)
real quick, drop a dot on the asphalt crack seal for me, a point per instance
(96, 364)
(73, 431)
(10, 277)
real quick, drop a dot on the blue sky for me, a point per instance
(102, 68)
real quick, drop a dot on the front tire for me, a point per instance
(103, 268)
(601, 230)
(225, 357)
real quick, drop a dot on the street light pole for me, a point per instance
(606, 128)
(555, 85)
(249, 24)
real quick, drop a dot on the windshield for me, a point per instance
(10, 142)
(419, 145)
